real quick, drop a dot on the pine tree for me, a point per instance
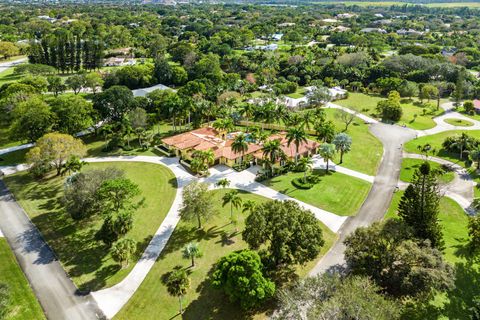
(419, 206)
(78, 53)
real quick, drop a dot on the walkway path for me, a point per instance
(365, 118)
(9, 64)
(442, 126)
(55, 291)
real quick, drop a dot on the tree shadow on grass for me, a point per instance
(213, 304)
(467, 286)
(185, 234)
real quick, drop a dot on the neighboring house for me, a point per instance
(144, 91)
(409, 32)
(370, 30)
(329, 20)
(220, 143)
(382, 22)
(286, 24)
(448, 52)
(340, 29)
(336, 93)
(268, 47)
(277, 36)
(47, 18)
(345, 15)
(113, 62)
(476, 105)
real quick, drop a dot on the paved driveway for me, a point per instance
(55, 291)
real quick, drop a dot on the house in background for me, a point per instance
(220, 143)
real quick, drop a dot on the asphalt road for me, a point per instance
(8, 64)
(56, 292)
(378, 200)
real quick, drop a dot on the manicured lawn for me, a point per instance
(360, 102)
(7, 76)
(299, 93)
(85, 259)
(218, 238)
(23, 303)
(367, 150)
(455, 303)
(458, 122)
(436, 141)
(367, 104)
(336, 192)
(5, 140)
(409, 166)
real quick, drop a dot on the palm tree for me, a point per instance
(272, 150)
(343, 144)
(475, 156)
(192, 251)
(177, 285)
(249, 205)
(225, 124)
(233, 199)
(240, 145)
(202, 159)
(297, 136)
(307, 164)
(463, 142)
(223, 183)
(73, 164)
(327, 152)
(308, 119)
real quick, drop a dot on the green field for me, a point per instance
(366, 150)
(414, 116)
(336, 192)
(409, 166)
(217, 238)
(454, 5)
(23, 303)
(362, 3)
(459, 122)
(85, 259)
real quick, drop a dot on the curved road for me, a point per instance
(378, 200)
(57, 294)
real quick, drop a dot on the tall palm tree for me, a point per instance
(225, 124)
(327, 152)
(233, 199)
(272, 150)
(240, 145)
(177, 285)
(343, 144)
(297, 136)
(308, 119)
(249, 205)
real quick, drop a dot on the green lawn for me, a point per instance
(218, 238)
(299, 93)
(458, 122)
(7, 76)
(367, 150)
(86, 260)
(436, 141)
(24, 304)
(336, 192)
(453, 4)
(455, 303)
(409, 166)
(413, 113)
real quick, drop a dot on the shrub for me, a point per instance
(300, 184)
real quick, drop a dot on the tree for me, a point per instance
(474, 232)
(73, 164)
(272, 151)
(8, 49)
(408, 89)
(428, 92)
(117, 194)
(327, 152)
(55, 148)
(319, 96)
(419, 206)
(325, 131)
(74, 114)
(177, 285)
(223, 183)
(343, 144)
(197, 203)
(115, 226)
(345, 117)
(76, 82)
(306, 164)
(297, 136)
(459, 91)
(201, 160)
(123, 250)
(240, 145)
(114, 103)
(138, 121)
(192, 251)
(249, 206)
(93, 81)
(79, 192)
(233, 199)
(55, 85)
(286, 233)
(475, 156)
(239, 275)
(386, 253)
(31, 119)
(390, 109)
(329, 296)
(469, 107)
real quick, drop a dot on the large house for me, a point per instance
(183, 145)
